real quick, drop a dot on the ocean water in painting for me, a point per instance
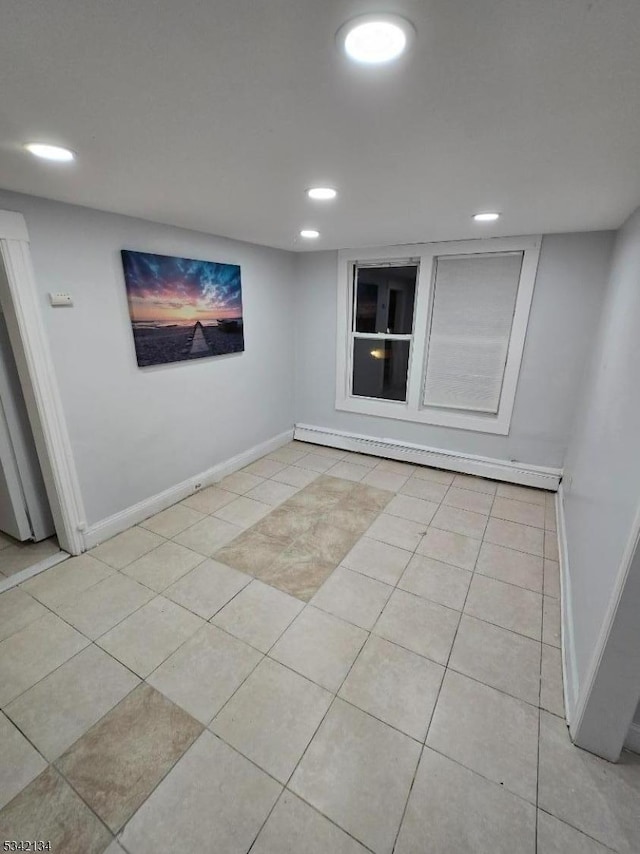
(181, 308)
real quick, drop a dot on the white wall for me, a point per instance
(602, 470)
(570, 284)
(137, 432)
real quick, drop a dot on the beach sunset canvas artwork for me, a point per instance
(182, 309)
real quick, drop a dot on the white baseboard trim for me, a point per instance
(505, 470)
(569, 665)
(30, 571)
(633, 739)
(107, 528)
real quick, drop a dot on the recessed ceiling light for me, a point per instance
(309, 233)
(375, 39)
(487, 216)
(50, 152)
(322, 193)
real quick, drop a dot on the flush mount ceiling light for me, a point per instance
(50, 152)
(375, 39)
(309, 233)
(322, 194)
(487, 216)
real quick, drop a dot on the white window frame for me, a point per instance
(426, 254)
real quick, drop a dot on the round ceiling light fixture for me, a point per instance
(309, 233)
(486, 216)
(50, 152)
(322, 194)
(375, 39)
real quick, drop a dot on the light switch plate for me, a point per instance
(59, 299)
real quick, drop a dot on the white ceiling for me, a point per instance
(217, 114)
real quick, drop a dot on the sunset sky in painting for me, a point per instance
(163, 289)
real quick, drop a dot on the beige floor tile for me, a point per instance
(353, 597)
(294, 826)
(163, 566)
(385, 479)
(149, 636)
(272, 717)
(210, 499)
(428, 490)
(51, 811)
(437, 581)
(320, 647)
(286, 523)
(551, 621)
(505, 605)
(551, 545)
(448, 547)
(518, 511)
(556, 837)
(377, 560)
(66, 579)
(101, 607)
(328, 542)
(523, 538)
(358, 771)
(17, 610)
(550, 517)
(460, 521)
(265, 467)
(296, 476)
(361, 459)
(418, 625)
(476, 484)
(213, 800)
(310, 500)
(527, 494)
(243, 512)
(396, 466)
(61, 708)
(299, 572)
(369, 497)
(240, 482)
(487, 731)
(271, 492)
(259, 614)
(349, 516)
(315, 462)
(552, 578)
(323, 450)
(251, 552)
(436, 475)
(208, 535)
(116, 765)
(19, 556)
(395, 685)
(402, 533)
(207, 588)
(415, 509)
(597, 797)
(171, 521)
(21, 763)
(497, 657)
(205, 671)
(348, 471)
(468, 499)
(451, 810)
(126, 547)
(288, 454)
(33, 652)
(551, 687)
(115, 848)
(519, 568)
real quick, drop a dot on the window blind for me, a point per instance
(472, 315)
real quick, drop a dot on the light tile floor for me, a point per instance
(323, 653)
(16, 556)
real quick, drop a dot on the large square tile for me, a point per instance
(597, 797)
(20, 762)
(286, 523)
(101, 607)
(62, 706)
(428, 490)
(299, 571)
(126, 547)
(243, 512)
(523, 538)
(315, 462)
(143, 640)
(213, 800)
(49, 810)
(475, 483)
(551, 684)
(265, 467)
(162, 566)
(436, 475)
(551, 545)
(204, 672)
(17, 610)
(522, 493)
(116, 765)
(497, 657)
(207, 588)
(397, 466)
(377, 560)
(505, 605)
(487, 731)
(66, 579)
(518, 511)
(449, 547)
(437, 581)
(259, 614)
(415, 509)
(320, 647)
(251, 552)
(208, 535)
(288, 454)
(358, 772)
(272, 717)
(294, 826)
(394, 685)
(402, 533)
(271, 492)
(353, 597)
(349, 516)
(33, 652)
(464, 522)
(210, 499)
(556, 837)
(552, 578)
(327, 541)
(19, 556)
(515, 567)
(551, 626)
(369, 497)
(348, 471)
(418, 625)
(385, 479)
(468, 499)
(296, 476)
(171, 521)
(451, 810)
(240, 482)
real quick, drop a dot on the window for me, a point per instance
(435, 332)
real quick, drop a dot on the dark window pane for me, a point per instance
(385, 297)
(380, 368)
